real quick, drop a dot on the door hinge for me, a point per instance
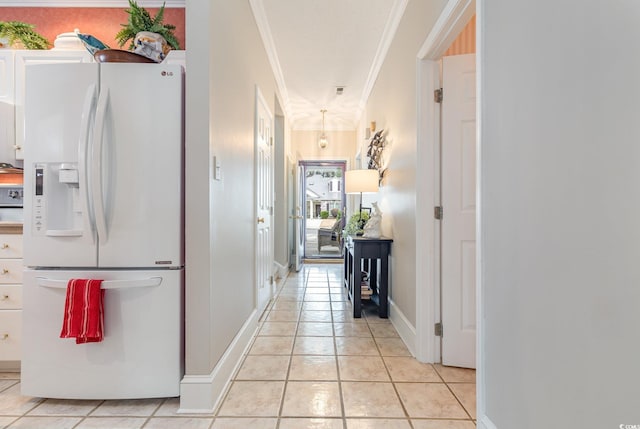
(437, 212)
(270, 141)
(437, 95)
(438, 329)
(271, 279)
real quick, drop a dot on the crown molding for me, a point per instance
(389, 32)
(257, 6)
(90, 3)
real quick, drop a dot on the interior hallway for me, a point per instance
(311, 365)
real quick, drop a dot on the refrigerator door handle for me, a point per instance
(96, 167)
(106, 284)
(88, 110)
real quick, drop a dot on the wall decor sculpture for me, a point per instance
(376, 146)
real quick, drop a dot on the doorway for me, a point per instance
(453, 20)
(323, 208)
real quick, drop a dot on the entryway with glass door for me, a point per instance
(323, 208)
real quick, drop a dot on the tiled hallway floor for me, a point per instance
(311, 365)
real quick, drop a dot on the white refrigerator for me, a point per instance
(104, 199)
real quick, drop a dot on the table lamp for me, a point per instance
(359, 182)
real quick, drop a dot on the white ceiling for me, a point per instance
(315, 46)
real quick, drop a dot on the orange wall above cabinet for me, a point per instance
(465, 43)
(101, 22)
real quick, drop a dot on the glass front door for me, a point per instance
(323, 208)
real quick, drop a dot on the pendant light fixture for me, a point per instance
(323, 142)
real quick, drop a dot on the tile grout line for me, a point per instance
(295, 336)
(343, 410)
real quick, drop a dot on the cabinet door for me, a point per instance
(6, 76)
(10, 246)
(7, 98)
(22, 60)
(10, 335)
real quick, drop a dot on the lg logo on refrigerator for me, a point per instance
(166, 73)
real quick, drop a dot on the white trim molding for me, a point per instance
(452, 20)
(388, 33)
(257, 6)
(203, 393)
(484, 423)
(90, 3)
(405, 329)
(427, 197)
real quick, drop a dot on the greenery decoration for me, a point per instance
(20, 33)
(324, 214)
(140, 20)
(356, 224)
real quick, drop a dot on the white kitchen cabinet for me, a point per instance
(10, 300)
(7, 111)
(6, 76)
(27, 57)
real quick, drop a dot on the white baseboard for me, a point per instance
(485, 423)
(203, 393)
(405, 329)
(281, 271)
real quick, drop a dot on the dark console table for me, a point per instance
(368, 250)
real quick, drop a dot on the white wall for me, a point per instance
(392, 105)
(281, 219)
(226, 60)
(342, 145)
(560, 213)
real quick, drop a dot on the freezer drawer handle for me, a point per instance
(107, 284)
(64, 233)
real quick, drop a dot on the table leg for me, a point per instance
(357, 282)
(383, 287)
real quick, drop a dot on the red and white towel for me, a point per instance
(84, 311)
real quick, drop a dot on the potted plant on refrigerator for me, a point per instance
(20, 35)
(149, 36)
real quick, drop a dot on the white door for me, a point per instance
(459, 211)
(23, 58)
(138, 171)
(58, 228)
(299, 218)
(264, 201)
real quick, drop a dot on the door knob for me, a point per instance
(260, 220)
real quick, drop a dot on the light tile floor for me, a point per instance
(311, 365)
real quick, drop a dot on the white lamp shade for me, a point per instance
(357, 181)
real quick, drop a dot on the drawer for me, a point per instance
(11, 271)
(10, 246)
(10, 297)
(10, 334)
